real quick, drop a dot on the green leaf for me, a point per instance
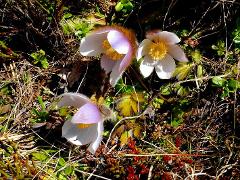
(67, 15)
(218, 81)
(69, 170)
(220, 48)
(62, 176)
(61, 162)
(199, 71)
(237, 39)
(40, 156)
(119, 6)
(182, 91)
(44, 63)
(236, 33)
(6, 89)
(39, 57)
(3, 45)
(233, 85)
(128, 6)
(63, 111)
(35, 112)
(124, 1)
(196, 56)
(40, 101)
(121, 87)
(157, 103)
(225, 93)
(166, 89)
(176, 122)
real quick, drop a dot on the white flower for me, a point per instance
(116, 45)
(159, 51)
(86, 126)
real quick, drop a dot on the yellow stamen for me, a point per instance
(157, 50)
(83, 126)
(110, 52)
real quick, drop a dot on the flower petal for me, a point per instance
(91, 45)
(146, 69)
(73, 99)
(116, 74)
(177, 53)
(95, 144)
(87, 114)
(118, 41)
(142, 49)
(79, 136)
(167, 37)
(165, 67)
(149, 61)
(107, 64)
(126, 61)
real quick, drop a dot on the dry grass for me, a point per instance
(204, 144)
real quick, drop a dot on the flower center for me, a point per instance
(83, 126)
(110, 52)
(157, 50)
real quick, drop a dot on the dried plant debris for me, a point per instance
(119, 89)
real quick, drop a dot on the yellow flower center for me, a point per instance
(83, 126)
(157, 50)
(110, 52)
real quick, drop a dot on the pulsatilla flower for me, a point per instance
(117, 46)
(158, 51)
(86, 125)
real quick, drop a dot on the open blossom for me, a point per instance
(159, 51)
(116, 45)
(86, 126)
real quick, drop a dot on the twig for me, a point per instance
(83, 172)
(202, 78)
(164, 154)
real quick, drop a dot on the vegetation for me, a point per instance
(186, 127)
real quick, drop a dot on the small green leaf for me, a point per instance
(40, 156)
(63, 111)
(176, 122)
(225, 93)
(39, 58)
(218, 81)
(67, 15)
(119, 6)
(220, 48)
(166, 89)
(68, 170)
(44, 63)
(40, 101)
(62, 176)
(196, 56)
(233, 85)
(199, 71)
(182, 91)
(157, 103)
(128, 6)
(61, 162)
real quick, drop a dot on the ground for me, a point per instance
(186, 127)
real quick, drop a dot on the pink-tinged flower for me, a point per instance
(86, 126)
(117, 46)
(159, 51)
